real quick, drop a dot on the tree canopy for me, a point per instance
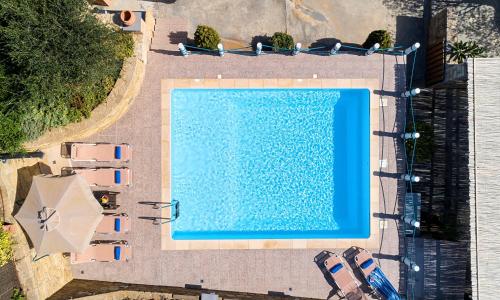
(57, 63)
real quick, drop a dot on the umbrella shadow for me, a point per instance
(24, 179)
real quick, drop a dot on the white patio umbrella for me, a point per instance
(60, 214)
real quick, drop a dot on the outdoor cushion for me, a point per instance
(366, 263)
(117, 252)
(118, 177)
(117, 224)
(118, 152)
(336, 268)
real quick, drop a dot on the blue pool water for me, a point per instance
(270, 163)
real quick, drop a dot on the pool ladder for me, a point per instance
(174, 205)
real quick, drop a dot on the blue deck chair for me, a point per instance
(382, 285)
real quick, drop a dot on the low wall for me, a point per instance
(103, 290)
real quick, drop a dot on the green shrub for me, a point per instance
(11, 134)
(5, 247)
(460, 51)
(57, 63)
(124, 46)
(17, 294)
(206, 37)
(378, 36)
(281, 40)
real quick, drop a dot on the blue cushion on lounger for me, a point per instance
(336, 268)
(117, 225)
(118, 177)
(117, 252)
(366, 263)
(118, 152)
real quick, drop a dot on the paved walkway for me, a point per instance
(306, 20)
(289, 271)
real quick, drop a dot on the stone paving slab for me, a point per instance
(292, 271)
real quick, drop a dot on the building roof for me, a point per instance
(484, 171)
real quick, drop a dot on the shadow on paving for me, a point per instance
(24, 179)
(8, 280)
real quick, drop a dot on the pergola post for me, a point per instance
(411, 264)
(412, 48)
(372, 49)
(409, 93)
(410, 135)
(296, 50)
(410, 221)
(335, 49)
(258, 49)
(183, 50)
(220, 47)
(412, 178)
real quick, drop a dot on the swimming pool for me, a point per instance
(270, 163)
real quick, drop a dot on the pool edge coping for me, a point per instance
(372, 242)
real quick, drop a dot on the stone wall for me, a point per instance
(102, 290)
(42, 278)
(8, 280)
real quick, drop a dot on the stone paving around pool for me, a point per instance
(291, 271)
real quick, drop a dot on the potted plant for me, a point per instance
(282, 40)
(206, 37)
(127, 17)
(383, 37)
(460, 51)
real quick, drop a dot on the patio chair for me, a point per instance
(114, 223)
(106, 177)
(343, 278)
(103, 252)
(99, 152)
(374, 276)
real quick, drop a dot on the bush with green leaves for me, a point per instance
(57, 63)
(206, 37)
(383, 37)
(282, 41)
(17, 294)
(5, 247)
(460, 51)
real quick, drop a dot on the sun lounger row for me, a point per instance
(103, 177)
(109, 251)
(348, 286)
(97, 152)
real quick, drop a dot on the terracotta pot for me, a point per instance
(7, 227)
(127, 17)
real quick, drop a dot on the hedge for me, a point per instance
(57, 63)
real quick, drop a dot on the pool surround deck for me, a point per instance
(291, 271)
(167, 243)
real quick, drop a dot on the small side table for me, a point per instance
(107, 199)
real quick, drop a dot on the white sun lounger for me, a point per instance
(100, 152)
